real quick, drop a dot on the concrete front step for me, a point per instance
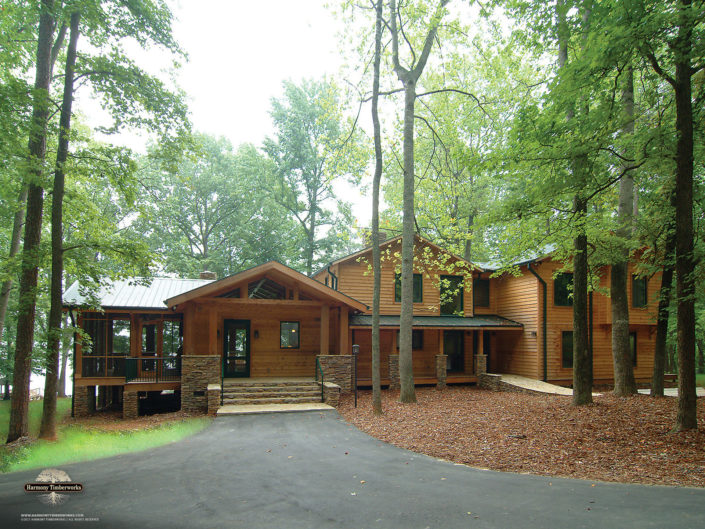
(271, 400)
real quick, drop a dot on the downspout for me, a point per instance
(73, 369)
(333, 279)
(545, 316)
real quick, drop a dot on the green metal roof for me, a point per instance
(489, 320)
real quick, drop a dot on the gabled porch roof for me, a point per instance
(276, 272)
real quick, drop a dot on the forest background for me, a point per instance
(530, 118)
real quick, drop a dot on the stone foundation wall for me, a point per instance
(480, 364)
(495, 383)
(130, 405)
(84, 401)
(213, 398)
(394, 382)
(488, 381)
(197, 371)
(337, 369)
(441, 371)
(331, 394)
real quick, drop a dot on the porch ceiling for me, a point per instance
(456, 322)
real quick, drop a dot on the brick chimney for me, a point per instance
(367, 237)
(208, 275)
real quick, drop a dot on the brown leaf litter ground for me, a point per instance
(615, 439)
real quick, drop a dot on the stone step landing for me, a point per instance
(270, 391)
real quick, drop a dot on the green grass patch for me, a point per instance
(700, 379)
(63, 409)
(83, 443)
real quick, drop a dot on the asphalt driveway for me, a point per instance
(314, 470)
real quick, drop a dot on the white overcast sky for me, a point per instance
(241, 51)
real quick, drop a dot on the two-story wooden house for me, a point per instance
(271, 325)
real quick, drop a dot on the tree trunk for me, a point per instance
(701, 355)
(686, 418)
(65, 352)
(24, 340)
(582, 355)
(409, 78)
(467, 253)
(18, 219)
(376, 257)
(17, 224)
(661, 360)
(406, 374)
(47, 428)
(624, 383)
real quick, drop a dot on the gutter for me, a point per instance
(544, 322)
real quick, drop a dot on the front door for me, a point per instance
(453, 347)
(236, 348)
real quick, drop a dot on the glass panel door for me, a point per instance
(453, 347)
(236, 348)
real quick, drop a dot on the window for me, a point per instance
(418, 288)
(567, 347)
(639, 292)
(452, 295)
(416, 339)
(481, 292)
(632, 347)
(289, 335)
(172, 338)
(563, 289)
(109, 342)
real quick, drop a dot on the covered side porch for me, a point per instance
(445, 349)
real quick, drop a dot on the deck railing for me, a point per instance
(153, 369)
(103, 366)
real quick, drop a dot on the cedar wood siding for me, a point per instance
(642, 321)
(517, 352)
(355, 280)
(204, 320)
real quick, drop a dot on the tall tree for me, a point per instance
(624, 383)
(409, 76)
(310, 150)
(33, 226)
(680, 24)
(47, 429)
(376, 254)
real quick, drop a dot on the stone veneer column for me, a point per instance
(213, 398)
(441, 371)
(197, 371)
(337, 369)
(130, 404)
(84, 401)
(480, 364)
(331, 394)
(394, 382)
